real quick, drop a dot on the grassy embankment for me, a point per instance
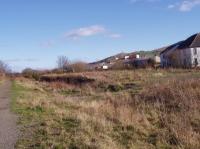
(120, 109)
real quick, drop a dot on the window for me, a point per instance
(196, 62)
(195, 51)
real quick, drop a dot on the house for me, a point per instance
(105, 67)
(116, 58)
(126, 57)
(184, 54)
(157, 59)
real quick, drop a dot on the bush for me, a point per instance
(31, 74)
(79, 67)
(121, 66)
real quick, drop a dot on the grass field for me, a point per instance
(116, 110)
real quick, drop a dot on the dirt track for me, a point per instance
(8, 128)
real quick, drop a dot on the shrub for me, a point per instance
(121, 66)
(69, 79)
(31, 74)
(79, 67)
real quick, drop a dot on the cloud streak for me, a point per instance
(115, 36)
(180, 5)
(185, 5)
(188, 5)
(21, 60)
(90, 31)
(85, 32)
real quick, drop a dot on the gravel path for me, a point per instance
(8, 128)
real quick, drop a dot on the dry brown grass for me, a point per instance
(177, 103)
(161, 110)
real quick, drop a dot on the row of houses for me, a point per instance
(110, 62)
(125, 60)
(184, 54)
(130, 61)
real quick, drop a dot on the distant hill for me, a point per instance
(146, 54)
(111, 58)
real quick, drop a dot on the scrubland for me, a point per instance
(130, 109)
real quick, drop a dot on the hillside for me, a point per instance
(143, 54)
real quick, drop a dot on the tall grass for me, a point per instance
(163, 113)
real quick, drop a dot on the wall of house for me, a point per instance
(184, 58)
(180, 58)
(162, 60)
(166, 57)
(195, 56)
(157, 59)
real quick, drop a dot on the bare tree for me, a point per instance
(62, 62)
(4, 67)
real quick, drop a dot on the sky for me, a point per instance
(33, 33)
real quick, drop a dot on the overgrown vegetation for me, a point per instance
(119, 109)
(4, 68)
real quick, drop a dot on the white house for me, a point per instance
(105, 67)
(126, 57)
(137, 56)
(157, 59)
(184, 54)
(116, 58)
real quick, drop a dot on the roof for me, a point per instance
(159, 50)
(171, 46)
(191, 42)
(196, 42)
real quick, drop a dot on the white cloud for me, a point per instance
(181, 5)
(185, 5)
(188, 5)
(90, 31)
(85, 32)
(115, 36)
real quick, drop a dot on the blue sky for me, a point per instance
(34, 32)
